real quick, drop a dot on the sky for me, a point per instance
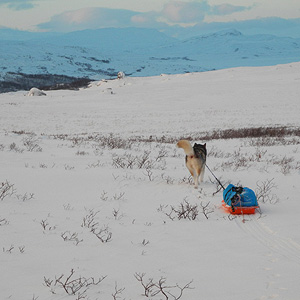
(70, 15)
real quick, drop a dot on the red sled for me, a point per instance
(239, 210)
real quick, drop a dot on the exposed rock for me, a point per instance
(36, 92)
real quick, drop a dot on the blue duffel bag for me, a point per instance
(239, 196)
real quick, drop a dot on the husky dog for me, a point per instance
(195, 159)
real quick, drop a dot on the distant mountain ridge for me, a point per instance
(102, 53)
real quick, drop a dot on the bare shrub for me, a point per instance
(72, 285)
(118, 197)
(239, 160)
(14, 147)
(162, 153)
(21, 249)
(206, 209)
(186, 179)
(285, 164)
(114, 142)
(104, 196)
(9, 249)
(129, 161)
(160, 287)
(185, 210)
(82, 153)
(264, 191)
(31, 143)
(149, 173)
(117, 292)
(25, 197)
(266, 141)
(214, 152)
(258, 155)
(67, 236)
(97, 164)
(168, 179)
(3, 221)
(89, 220)
(46, 226)
(117, 215)
(6, 189)
(102, 233)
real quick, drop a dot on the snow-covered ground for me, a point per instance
(95, 183)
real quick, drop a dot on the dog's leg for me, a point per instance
(196, 179)
(202, 174)
(194, 175)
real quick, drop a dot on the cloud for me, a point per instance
(195, 12)
(228, 9)
(17, 4)
(94, 18)
(173, 12)
(185, 12)
(89, 18)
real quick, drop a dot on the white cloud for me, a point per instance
(89, 18)
(185, 12)
(228, 9)
(173, 12)
(18, 4)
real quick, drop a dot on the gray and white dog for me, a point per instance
(195, 159)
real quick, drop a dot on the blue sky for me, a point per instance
(70, 15)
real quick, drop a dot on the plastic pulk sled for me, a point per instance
(238, 200)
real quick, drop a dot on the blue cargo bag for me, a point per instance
(239, 196)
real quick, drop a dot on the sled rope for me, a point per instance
(215, 177)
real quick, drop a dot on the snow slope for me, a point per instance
(101, 163)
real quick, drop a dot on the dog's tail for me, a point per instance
(186, 146)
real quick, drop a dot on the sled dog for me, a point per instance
(195, 159)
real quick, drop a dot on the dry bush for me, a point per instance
(14, 147)
(46, 226)
(67, 236)
(117, 293)
(264, 191)
(102, 233)
(72, 285)
(113, 142)
(160, 288)
(31, 143)
(258, 155)
(6, 189)
(214, 152)
(186, 211)
(285, 164)
(139, 161)
(3, 221)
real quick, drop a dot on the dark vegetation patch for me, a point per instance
(13, 82)
(259, 136)
(241, 133)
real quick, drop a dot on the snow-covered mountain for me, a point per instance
(102, 53)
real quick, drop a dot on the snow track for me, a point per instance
(285, 247)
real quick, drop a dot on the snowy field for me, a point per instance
(92, 187)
